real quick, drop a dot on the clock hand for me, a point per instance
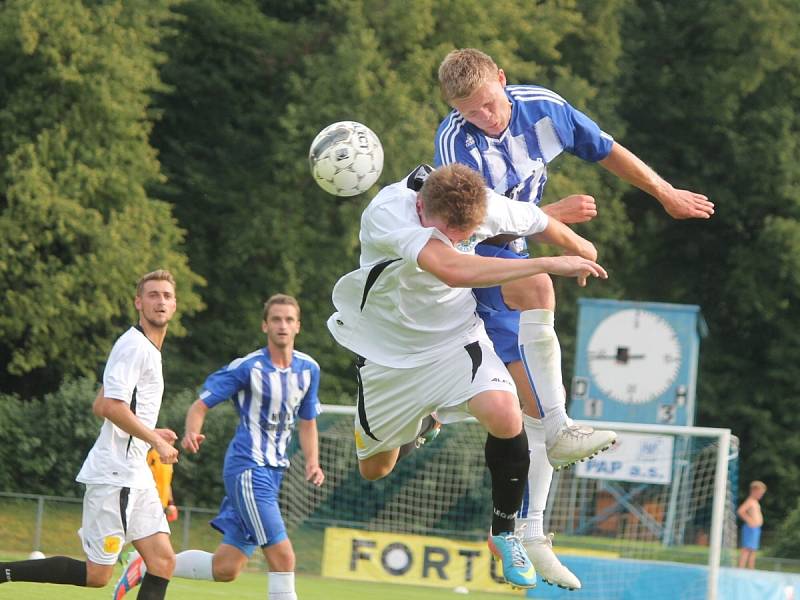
(622, 355)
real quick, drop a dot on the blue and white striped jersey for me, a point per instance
(542, 126)
(268, 400)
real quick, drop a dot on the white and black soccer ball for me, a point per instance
(346, 158)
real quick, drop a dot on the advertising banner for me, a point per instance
(410, 559)
(636, 457)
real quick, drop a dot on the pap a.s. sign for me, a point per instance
(636, 457)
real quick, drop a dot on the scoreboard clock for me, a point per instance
(636, 361)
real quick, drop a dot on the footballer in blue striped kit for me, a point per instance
(273, 390)
(509, 134)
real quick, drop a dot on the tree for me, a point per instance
(76, 222)
(722, 79)
(42, 450)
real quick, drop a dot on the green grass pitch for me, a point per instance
(250, 586)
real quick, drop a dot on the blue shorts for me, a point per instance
(751, 537)
(249, 516)
(501, 322)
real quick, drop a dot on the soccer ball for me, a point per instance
(346, 158)
(36, 555)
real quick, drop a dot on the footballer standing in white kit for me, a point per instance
(121, 503)
(409, 314)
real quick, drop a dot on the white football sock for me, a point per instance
(194, 564)
(540, 475)
(541, 357)
(281, 586)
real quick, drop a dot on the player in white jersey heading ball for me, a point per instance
(409, 314)
(270, 388)
(121, 503)
(509, 133)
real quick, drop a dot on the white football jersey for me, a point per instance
(392, 312)
(132, 374)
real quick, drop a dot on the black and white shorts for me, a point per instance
(393, 402)
(114, 516)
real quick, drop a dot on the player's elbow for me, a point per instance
(199, 408)
(99, 408)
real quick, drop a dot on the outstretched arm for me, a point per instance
(466, 270)
(309, 443)
(679, 204)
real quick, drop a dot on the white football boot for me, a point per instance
(578, 442)
(547, 565)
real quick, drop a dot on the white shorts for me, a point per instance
(113, 517)
(393, 402)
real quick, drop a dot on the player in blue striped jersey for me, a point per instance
(272, 389)
(509, 133)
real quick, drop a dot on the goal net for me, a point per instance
(654, 517)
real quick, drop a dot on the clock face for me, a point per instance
(634, 355)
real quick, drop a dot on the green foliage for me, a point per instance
(77, 225)
(722, 78)
(45, 441)
(787, 538)
(223, 152)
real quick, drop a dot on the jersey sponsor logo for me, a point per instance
(467, 245)
(112, 544)
(274, 425)
(469, 141)
(518, 245)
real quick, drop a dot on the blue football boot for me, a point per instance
(517, 568)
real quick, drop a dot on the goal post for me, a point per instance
(657, 510)
(722, 526)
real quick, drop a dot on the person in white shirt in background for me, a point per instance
(121, 503)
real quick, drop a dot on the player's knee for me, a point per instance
(282, 562)
(530, 293)
(97, 578)
(226, 572)
(226, 566)
(162, 565)
(505, 421)
(372, 471)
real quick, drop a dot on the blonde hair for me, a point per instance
(157, 275)
(456, 194)
(758, 485)
(464, 71)
(281, 299)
